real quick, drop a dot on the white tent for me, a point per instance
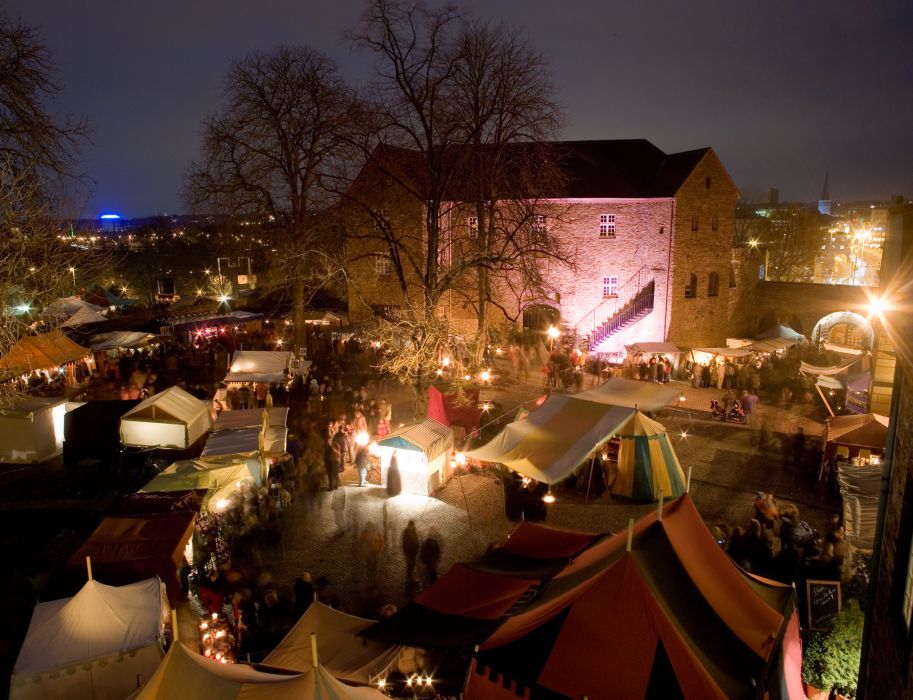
(120, 339)
(342, 652)
(653, 349)
(422, 453)
(172, 418)
(770, 345)
(270, 366)
(93, 645)
(227, 444)
(220, 480)
(184, 675)
(67, 306)
(618, 391)
(701, 355)
(83, 316)
(554, 439)
(250, 418)
(32, 430)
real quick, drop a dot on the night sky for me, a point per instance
(781, 89)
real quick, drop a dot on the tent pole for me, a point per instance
(589, 481)
(89, 567)
(175, 635)
(630, 534)
(314, 658)
(465, 502)
(688, 481)
(826, 404)
(659, 517)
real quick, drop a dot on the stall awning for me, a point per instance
(428, 436)
(859, 489)
(244, 443)
(270, 366)
(121, 339)
(40, 352)
(653, 348)
(618, 391)
(868, 430)
(744, 351)
(772, 344)
(807, 368)
(84, 316)
(781, 331)
(553, 440)
(250, 418)
(219, 480)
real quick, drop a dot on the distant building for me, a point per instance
(824, 204)
(652, 233)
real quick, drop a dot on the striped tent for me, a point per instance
(646, 461)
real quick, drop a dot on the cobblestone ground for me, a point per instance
(728, 463)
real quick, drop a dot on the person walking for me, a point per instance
(362, 462)
(372, 546)
(339, 511)
(410, 550)
(430, 554)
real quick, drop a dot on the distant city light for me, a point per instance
(109, 216)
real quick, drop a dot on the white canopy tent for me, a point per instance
(83, 316)
(32, 430)
(220, 480)
(93, 645)
(702, 355)
(172, 418)
(269, 366)
(184, 675)
(653, 349)
(618, 391)
(121, 339)
(343, 653)
(771, 345)
(554, 439)
(65, 307)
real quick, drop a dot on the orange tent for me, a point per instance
(40, 352)
(672, 617)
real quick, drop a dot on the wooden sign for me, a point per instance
(824, 604)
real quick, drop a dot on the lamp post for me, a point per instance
(72, 271)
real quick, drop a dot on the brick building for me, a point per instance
(648, 238)
(887, 661)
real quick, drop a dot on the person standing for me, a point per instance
(430, 554)
(342, 445)
(262, 391)
(720, 374)
(410, 550)
(799, 448)
(331, 464)
(362, 462)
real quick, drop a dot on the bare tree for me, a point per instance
(39, 186)
(436, 154)
(274, 154)
(792, 238)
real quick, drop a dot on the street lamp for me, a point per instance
(552, 333)
(72, 271)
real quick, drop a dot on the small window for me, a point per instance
(713, 285)
(662, 230)
(607, 226)
(707, 182)
(383, 265)
(695, 222)
(714, 223)
(609, 287)
(539, 223)
(472, 224)
(691, 287)
(731, 277)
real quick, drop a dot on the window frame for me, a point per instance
(608, 224)
(713, 285)
(695, 222)
(383, 265)
(472, 226)
(714, 223)
(610, 287)
(691, 286)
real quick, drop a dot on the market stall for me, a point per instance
(859, 437)
(860, 487)
(94, 646)
(250, 418)
(644, 396)
(50, 353)
(422, 451)
(647, 465)
(129, 549)
(32, 430)
(221, 481)
(266, 366)
(122, 340)
(704, 356)
(172, 418)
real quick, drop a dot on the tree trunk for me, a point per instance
(298, 315)
(483, 321)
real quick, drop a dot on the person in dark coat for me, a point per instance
(304, 594)
(430, 554)
(798, 448)
(331, 464)
(341, 444)
(394, 478)
(410, 550)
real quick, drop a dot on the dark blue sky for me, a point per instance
(781, 89)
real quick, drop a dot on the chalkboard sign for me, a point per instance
(824, 604)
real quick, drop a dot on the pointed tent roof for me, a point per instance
(613, 614)
(67, 306)
(781, 331)
(863, 430)
(619, 391)
(647, 463)
(97, 621)
(84, 316)
(40, 352)
(555, 438)
(173, 403)
(189, 676)
(341, 651)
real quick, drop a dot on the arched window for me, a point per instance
(713, 285)
(691, 288)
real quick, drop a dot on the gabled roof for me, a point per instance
(40, 352)
(428, 436)
(620, 168)
(173, 403)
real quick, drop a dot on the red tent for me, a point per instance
(451, 409)
(673, 617)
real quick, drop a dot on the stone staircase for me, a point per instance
(633, 302)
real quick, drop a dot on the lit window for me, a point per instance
(691, 287)
(472, 225)
(609, 287)
(695, 222)
(383, 265)
(606, 225)
(713, 285)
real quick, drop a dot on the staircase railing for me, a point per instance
(607, 308)
(633, 311)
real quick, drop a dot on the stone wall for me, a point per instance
(709, 195)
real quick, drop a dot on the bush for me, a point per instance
(831, 659)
